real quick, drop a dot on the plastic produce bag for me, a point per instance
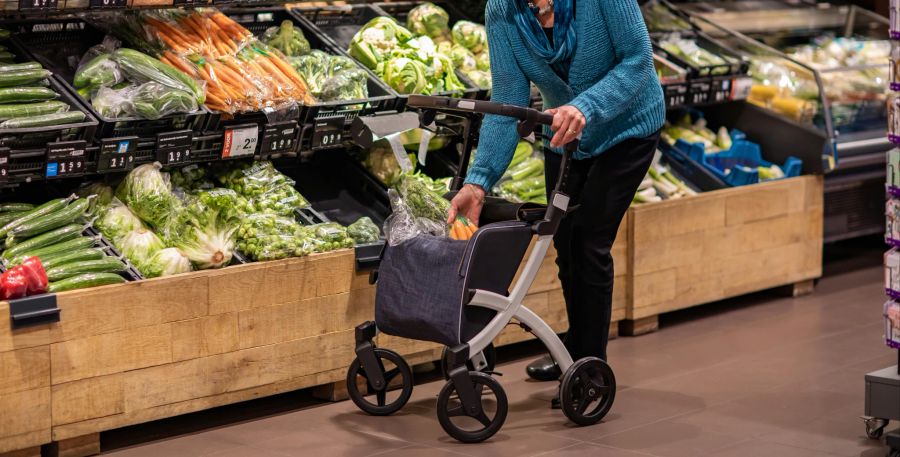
(271, 237)
(166, 262)
(428, 19)
(364, 231)
(470, 35)
(349, 84)
(287, 39)
(117, 220)
(331, 236)
(139, 245)
(147, 191)
(403, 224)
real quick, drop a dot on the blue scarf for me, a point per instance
(560, 52)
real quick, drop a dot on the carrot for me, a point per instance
(454, 232)
(469, 232)
(460, 230)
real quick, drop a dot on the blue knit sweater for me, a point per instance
(611, 81)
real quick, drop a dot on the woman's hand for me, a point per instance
(568, 122)
(467, 202)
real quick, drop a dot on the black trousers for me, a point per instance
(603, 188)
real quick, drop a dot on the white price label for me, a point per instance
(740, 88)
(400, 153)
(426, 137)
(240, 142)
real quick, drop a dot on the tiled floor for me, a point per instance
(760, 376)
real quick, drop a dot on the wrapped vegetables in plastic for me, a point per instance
(363, 231)
(428, 19)
(470, 35)
(287, 39)
(147, 191)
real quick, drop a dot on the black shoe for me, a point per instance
(543, 369)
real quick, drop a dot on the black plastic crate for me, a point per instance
(59, 45)
(338, 25)
(341, 190)
(327, 118)
(400, 12)
(736, 66)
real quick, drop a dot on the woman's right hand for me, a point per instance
(467, 202)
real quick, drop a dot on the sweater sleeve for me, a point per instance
(499, 136)
(614, 94)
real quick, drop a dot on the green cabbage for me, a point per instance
(166, 262)
(428, 19)
(117, 221)
(470, 35)
(139, 245)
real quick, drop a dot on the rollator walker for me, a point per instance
(457, 293)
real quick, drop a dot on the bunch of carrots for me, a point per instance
(462, 229)
(241, 73)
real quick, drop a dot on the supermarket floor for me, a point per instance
(758, 376)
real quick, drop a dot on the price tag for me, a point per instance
(4, 164)
(174, 147)
(104, 4)
(740, 90)
(676, 95)
(65, 159)
(116, 154)
(25, 5)
(279, 137)
(329, 133)
(700, 92)
(240, 141)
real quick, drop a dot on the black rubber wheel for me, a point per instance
(490, 355)
(587, 391)
(392, 365)
(468, 429)
(874, 433)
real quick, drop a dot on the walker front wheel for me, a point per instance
(462, 424)
(490, 356)
(587, 391)
(392, 365)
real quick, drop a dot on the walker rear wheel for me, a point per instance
(490, 356)
(875, 427)
(375, 401)
(462, 425)
(587, 391)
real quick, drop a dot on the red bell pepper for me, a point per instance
(13, 283)
(36, 275)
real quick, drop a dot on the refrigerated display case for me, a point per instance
(825, 64)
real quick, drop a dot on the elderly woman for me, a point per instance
(593, 64)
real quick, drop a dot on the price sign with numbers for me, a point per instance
(279, 137)
(66, 159)
(101, 4)
(174, 147)
(4, 164)
(329, 133)
(25, 5)
(116, 154)
(240, 141)
(740, 89)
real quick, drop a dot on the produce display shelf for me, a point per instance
(400, 12)
(340, 190)
(329, 121)
(338, 24)
(59, 45)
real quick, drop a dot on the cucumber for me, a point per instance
(32, 109)
(43, 210)
(10, 207)
(6, 218)
(71, 117)
(22, 77)
(80, 255)
(59, 235)
(6, 55)
(105, 265)
(85, 280)
(59, 248)
(49, 222)
(20, 66)
(26, 94)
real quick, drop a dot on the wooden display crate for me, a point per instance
(722, 244)
(137, 352)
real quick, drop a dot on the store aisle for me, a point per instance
(759, 376)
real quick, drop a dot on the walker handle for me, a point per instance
(479, 106)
